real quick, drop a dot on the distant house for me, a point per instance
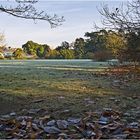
(8, 54)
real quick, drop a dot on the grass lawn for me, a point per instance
(65, 88)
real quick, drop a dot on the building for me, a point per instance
(8, 54)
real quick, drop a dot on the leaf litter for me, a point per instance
(108, 124)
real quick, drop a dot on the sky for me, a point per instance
(80, 17)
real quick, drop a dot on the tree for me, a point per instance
(30, 47)
(102, 55)
(88, 55)
(96, 41)
(79, 47)
(133, 47)
(2, 40)
(65, 51)
(36, 49)
(47, 50)
(18, 53)
(64, 45)
(1, 56)
(53, 54)
(116, 43)
(125, 20)
(25, 9)
(67, 54)
(40, 52)
(97, 44)
(2, 45)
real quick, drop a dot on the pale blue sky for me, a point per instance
(80, 17)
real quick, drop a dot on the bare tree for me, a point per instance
(124, 18)
(25, 9)
(2, 40)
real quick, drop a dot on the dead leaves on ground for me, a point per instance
(107, 124)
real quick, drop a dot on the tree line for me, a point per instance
(98, 45)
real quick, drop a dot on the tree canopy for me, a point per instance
(36, 49)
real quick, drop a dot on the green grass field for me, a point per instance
(66, 87)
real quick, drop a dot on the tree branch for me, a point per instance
(26, 10)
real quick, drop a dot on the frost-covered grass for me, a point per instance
(84, 63)
(72, 85)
